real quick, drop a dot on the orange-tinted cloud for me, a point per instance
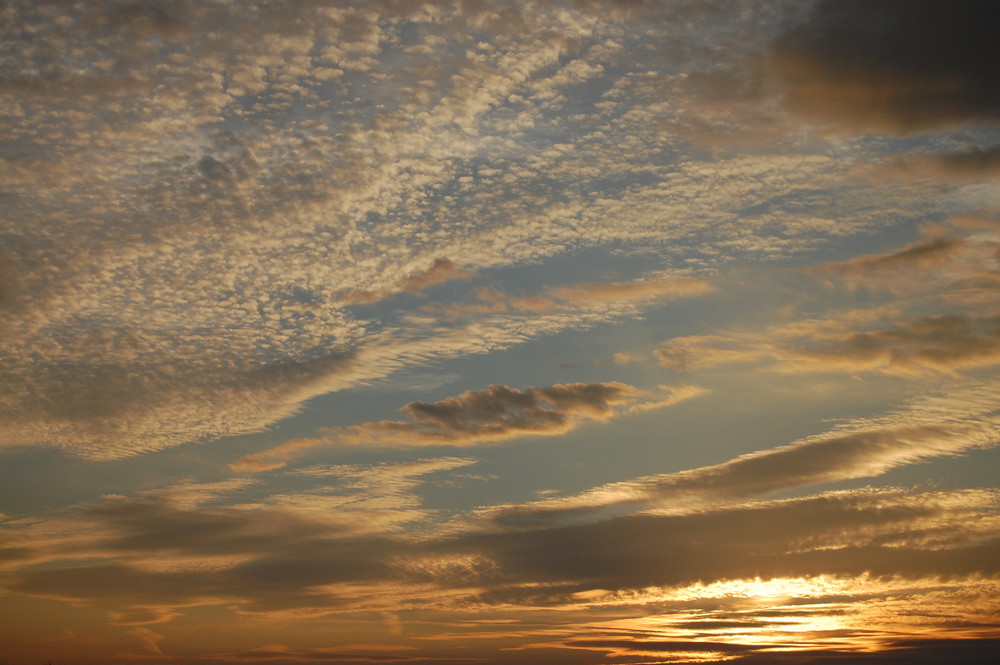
(602, 293)
(945, 344)
(706, 351)
(572, 297)
(292, 563)
(442, 270)
(928, 428)
(899, 270)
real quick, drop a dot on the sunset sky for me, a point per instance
(462, 331)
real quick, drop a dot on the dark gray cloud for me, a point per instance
(901, 65)
(497, 409)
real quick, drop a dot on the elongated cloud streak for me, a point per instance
(929, 428)
(278, 561)
(494, 414)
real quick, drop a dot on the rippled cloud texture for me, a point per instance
(652, 331)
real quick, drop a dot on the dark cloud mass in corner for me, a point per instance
(902, 65)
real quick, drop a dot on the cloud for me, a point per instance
(627, 358)
(198, 254)
(347, 654)
(705, 351)
(442, 270)
(970, 162)
(927, 428)
(958, 255)
(141, 617)
(381, 498)
(840, 534)
(939, 344)
(573, 297)
(602, 293)
(801, 635)
(898, 65)
(674, 395)
(150, 640)
(282, 561)
(497, 413)
(973, 159)
(942, 317)
(920, 256)
(900, 270)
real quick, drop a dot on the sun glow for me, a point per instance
(768, 590)
(859, 614)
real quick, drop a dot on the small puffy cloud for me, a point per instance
(497, 413)
(897, 65)
(500, 412)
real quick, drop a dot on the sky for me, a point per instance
(580, 332)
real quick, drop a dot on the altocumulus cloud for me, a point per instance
(207, 241)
